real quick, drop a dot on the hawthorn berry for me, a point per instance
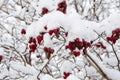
(48, 55)
(23, 31)
(97, 45)
(66, 34)
(32, 47)
(44, 10)
(104, 47)
(109, 38)
(116, 31)
(66, 74)
(31, 50)
(115, 36)
(78, 70)
(39, 39)
(113, 39)
(85, 43)
(57, 35)
(45, 27)
(76, 53)
(55, 31)
(30, 40)
(100, 44)
(33, 40)
(42, 33)
(48, 50)
(51, 32)
(71, 46)
(1, 57)
(91, 41)
(45, 49)
(84, 51)
(62, 6)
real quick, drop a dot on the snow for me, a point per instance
(13, 44)
(1, 3)
(71, 22)
(24, 69)
(111, 23)
(111, 73)
(67, 66)
(47, 41)
(76, 27)
(47, 77)
(72, 77)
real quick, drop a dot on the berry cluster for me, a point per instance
(23, 31)
(66, 74)
(39, 39)
(100, 44)
(48, 52)
(44, 10)
(76, 53)
(79, 45)
(55, 31)
(115, 36)
(33, 43)
(62, 6)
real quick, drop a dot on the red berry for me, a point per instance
(33, 40)
(48, 50)
(67, 47)
(108, 38)
(84, 51)
(98, 45)
(48, 55)
(52, 50)
(51, 32)
(91, 42)
(116, 31)
(77, 40)
(104, 47)
(56, 30)
(42, 33)
(80, 43)
(78, 70)
(45, 49)
(57, 35)
(62, 7)
(30, 40)
(23, 31)
(76, 53)
(72, 46)
(39, 39)
(66, 34)
(1, 57)
(66, 75)
(44, 10)
(45, 27)
(33, 46)
(88, 44)
(31, 50)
